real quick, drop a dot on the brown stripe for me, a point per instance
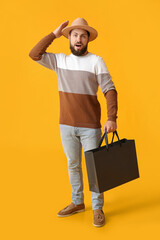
(79, 110)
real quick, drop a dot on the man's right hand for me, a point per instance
(58, 32)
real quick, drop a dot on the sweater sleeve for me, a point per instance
(39, 54)
(108, 88)
(39, 49)
(112, 104)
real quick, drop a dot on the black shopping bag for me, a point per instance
(111, 165)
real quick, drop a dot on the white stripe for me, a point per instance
(90, 63)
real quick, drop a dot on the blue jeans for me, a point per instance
(73, 139)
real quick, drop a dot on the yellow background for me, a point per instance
(34, 178)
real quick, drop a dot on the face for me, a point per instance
(78, 42)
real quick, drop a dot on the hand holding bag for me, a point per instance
(111, 165)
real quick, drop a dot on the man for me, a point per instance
(79, 75)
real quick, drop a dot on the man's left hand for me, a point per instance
(110, 126)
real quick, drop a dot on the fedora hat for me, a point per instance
(82, 24)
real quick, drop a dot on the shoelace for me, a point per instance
(66, 207)
(99, 216)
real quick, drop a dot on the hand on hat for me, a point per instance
(57, 32)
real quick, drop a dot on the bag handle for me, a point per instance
(115, 132)
(106, 138)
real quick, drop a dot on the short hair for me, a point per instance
(85, 30)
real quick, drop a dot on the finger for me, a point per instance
(108, 130)
(104, 129)
(64, 24)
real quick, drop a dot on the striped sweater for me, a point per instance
(78, 81)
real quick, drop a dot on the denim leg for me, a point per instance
(73, 150)
(90, 139)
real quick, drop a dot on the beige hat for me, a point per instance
(82, 24)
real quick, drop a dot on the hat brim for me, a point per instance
(92, 31)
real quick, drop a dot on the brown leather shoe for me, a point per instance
(98, 218)
(71, 209)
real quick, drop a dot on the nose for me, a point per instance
(78, 38)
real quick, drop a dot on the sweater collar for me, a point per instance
(72, 55)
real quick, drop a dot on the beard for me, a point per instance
(78, 52)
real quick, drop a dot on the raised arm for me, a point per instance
(39, 49)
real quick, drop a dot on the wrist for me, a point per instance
(54, 35)
(113, 119)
